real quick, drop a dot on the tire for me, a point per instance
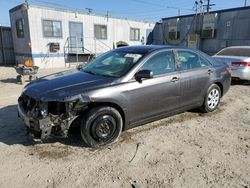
(212, 99)
(101, 126)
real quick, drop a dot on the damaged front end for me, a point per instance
(46, 119)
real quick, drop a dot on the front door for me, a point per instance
(76, 37)
(158, 95)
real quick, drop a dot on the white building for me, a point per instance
(54, 37)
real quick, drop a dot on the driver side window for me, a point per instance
(160, 63)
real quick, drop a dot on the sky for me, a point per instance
(148, 10)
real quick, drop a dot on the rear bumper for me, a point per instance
(242, 73)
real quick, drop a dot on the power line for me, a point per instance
(160, 5)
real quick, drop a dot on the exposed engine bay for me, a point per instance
(49, 119)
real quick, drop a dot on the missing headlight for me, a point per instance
(56, 108)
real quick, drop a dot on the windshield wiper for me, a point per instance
(90, 72)
(105, 75)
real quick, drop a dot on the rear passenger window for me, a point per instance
(160, 63)
(190, 60)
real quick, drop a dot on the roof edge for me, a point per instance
(72, 10)
(215, 11)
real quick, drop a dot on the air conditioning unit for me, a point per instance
(173, 31)
(209, 26)
(193, 40)
(208, 33)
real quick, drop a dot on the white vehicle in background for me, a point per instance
(238, 58)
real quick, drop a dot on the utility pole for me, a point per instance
(107, 15)
(209, 5)
(245, 3)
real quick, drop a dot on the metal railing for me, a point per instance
(98, 43)
(75, 45)
(72, 46)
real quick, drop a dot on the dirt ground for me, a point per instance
(187, 150)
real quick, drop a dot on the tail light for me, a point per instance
(229, 70)
(241, 64)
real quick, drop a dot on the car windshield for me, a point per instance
(112, 64)
(243, 52)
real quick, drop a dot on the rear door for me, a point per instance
(158, 95)
(195, 72)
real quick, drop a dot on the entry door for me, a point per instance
(76, 37)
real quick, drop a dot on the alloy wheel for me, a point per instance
(213, 98)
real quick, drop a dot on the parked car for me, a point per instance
(238, 58)
(121, 89)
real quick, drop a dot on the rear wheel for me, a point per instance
(101, 126)
(212, 98)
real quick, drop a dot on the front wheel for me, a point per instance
(101, 126)
(212, 98)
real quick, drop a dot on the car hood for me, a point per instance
(65, 85)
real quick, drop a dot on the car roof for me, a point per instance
(144, 49)
(248, 47)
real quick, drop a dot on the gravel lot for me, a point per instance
(187, 150)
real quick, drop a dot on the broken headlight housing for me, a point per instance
(43, 108)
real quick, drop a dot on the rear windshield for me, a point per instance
(245, 52)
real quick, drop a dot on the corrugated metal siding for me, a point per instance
(157, 34)
(7, 56)
(232, 28)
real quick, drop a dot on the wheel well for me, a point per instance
(220, 86)
(117, 107)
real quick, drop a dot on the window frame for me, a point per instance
(130, 36)
(156, 53)
(177, 37)
(105, 38)
(17, 28)
(190, 51)
(53, 35)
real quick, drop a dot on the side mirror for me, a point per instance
(143, 74)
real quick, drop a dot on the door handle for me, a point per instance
(175, 79)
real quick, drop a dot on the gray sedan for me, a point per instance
(121, 89)
(238, 58)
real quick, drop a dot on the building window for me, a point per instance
(19, 28)
(52, 28)
(134, 34)
(101, 32)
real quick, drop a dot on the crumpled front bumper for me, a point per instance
(38, 128)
